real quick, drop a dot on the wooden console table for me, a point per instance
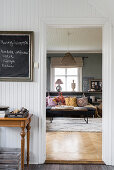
(22, 123)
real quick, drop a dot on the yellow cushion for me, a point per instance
(73, 101)
(67, 101)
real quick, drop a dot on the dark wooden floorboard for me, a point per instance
(78, 167)
(96, 167)
(69, 167)
(65, 167)
(110, 167)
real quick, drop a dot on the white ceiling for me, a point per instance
(80, 39)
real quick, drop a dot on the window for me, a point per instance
(67, 75)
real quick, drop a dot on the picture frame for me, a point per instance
(96, 85)
(16, 55)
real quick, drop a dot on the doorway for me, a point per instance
(69, 137)
(106, 71)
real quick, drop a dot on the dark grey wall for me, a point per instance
(92, 66)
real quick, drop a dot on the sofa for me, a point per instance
(90, 108)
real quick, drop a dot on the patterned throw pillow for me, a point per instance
(73, 101)
(51, 101)
(81, 102)
(67, 101)
(61, 100)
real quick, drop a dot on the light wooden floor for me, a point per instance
(74, 147)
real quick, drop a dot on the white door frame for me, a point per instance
(106, 77)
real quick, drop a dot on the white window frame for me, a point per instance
(52, 79)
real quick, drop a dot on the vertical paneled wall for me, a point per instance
(24, 15)
(21, 15)
(68, 8)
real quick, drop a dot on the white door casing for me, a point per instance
(106, 77)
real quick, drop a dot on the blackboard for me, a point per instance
(16, 56)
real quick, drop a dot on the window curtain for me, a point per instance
(56, 62)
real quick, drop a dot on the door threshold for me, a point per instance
(99, 162)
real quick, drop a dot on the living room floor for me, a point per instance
(74, 147)
(62, 124)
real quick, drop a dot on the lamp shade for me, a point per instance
(59, 81)
(68, 59)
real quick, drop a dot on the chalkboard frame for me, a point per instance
(30, 77)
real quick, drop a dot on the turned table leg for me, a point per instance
(28, 139)
(22, 147)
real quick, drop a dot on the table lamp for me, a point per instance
(59, 88)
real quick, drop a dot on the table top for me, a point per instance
(74, 109)
(16, 119)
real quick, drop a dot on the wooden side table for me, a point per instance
(22, 123)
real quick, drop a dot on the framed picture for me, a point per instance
(96, 85)
(16, 55)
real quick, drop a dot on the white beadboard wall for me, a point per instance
(68, 8)
(21, 15)
(80, 39)
(25, 15)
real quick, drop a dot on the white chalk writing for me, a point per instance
(21, 52)
(12, 43)
(14, 52)
(7, 56)
(7, 51)
(7, 65)
(8, 61)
